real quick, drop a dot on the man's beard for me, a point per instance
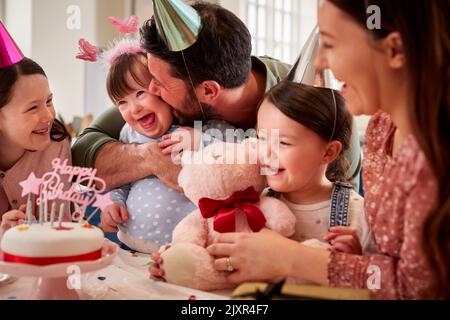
(192, 104)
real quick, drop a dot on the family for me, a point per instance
(400, 228)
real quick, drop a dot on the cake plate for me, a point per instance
(59, 281)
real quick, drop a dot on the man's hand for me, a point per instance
(119, 164)
(164, 168)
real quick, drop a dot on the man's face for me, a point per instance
(173, 91)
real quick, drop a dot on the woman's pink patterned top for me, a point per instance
(400, 192)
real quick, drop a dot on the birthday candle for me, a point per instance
(29, 212)
(41, 212)
(61, 214)
(52, 214)
(45, 210)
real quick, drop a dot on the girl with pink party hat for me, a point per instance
(30, 135)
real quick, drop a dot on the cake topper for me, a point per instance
(52, 186)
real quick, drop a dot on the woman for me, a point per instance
(400, 75)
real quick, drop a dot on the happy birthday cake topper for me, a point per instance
(52, 186)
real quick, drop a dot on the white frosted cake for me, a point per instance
(43, 244)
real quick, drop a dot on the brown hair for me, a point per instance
(425, 30)
(222, 52)
(315, 109)
(10, 75)
(134, 65)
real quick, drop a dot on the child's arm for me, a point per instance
(116, 213)
(188, 138)
(11, 219)
(185, 138)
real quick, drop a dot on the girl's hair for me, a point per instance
(425, 30)
(315, 109)
(134, 65)
(10, 75)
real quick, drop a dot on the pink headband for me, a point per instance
(122, 47)
(129, 46)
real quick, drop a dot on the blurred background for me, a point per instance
(48, 32)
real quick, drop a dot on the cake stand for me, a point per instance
(59, 281)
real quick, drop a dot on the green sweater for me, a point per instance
(106, 128)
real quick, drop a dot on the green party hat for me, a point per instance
(178, 23)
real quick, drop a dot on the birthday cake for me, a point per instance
(43, 244)
(47, 238)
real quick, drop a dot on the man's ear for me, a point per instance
(332, 151)
(395, 50)
(209, 91)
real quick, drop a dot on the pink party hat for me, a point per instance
(10, 53)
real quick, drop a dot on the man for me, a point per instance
(216, 78)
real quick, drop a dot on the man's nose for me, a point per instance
(154, 89)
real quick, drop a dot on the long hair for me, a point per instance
(9, 77)
(425, 30)
(315, 109)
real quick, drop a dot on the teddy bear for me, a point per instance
(225, 182)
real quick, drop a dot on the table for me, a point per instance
(125, 279)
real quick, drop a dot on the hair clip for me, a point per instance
(129, 25)
(88, 51)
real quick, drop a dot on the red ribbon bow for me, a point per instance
(224, 211)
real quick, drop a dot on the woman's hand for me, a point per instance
(253, 256)
(344, 239)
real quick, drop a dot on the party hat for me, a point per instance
(305, 71)
(178, 23)
(10, 53)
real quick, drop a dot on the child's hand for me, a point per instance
(112, 216)
(156, 271)
(186, 138)
(13, 218)
(344, 239)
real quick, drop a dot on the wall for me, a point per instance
(144, 10)
(18, 22)
(2, 9)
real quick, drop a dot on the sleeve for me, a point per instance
(404, 277)
(104, 130)
(353, 155)
(126, 134)
(120, 195)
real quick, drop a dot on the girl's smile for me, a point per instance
(44, 131)
(144, 112)
(147, 121)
